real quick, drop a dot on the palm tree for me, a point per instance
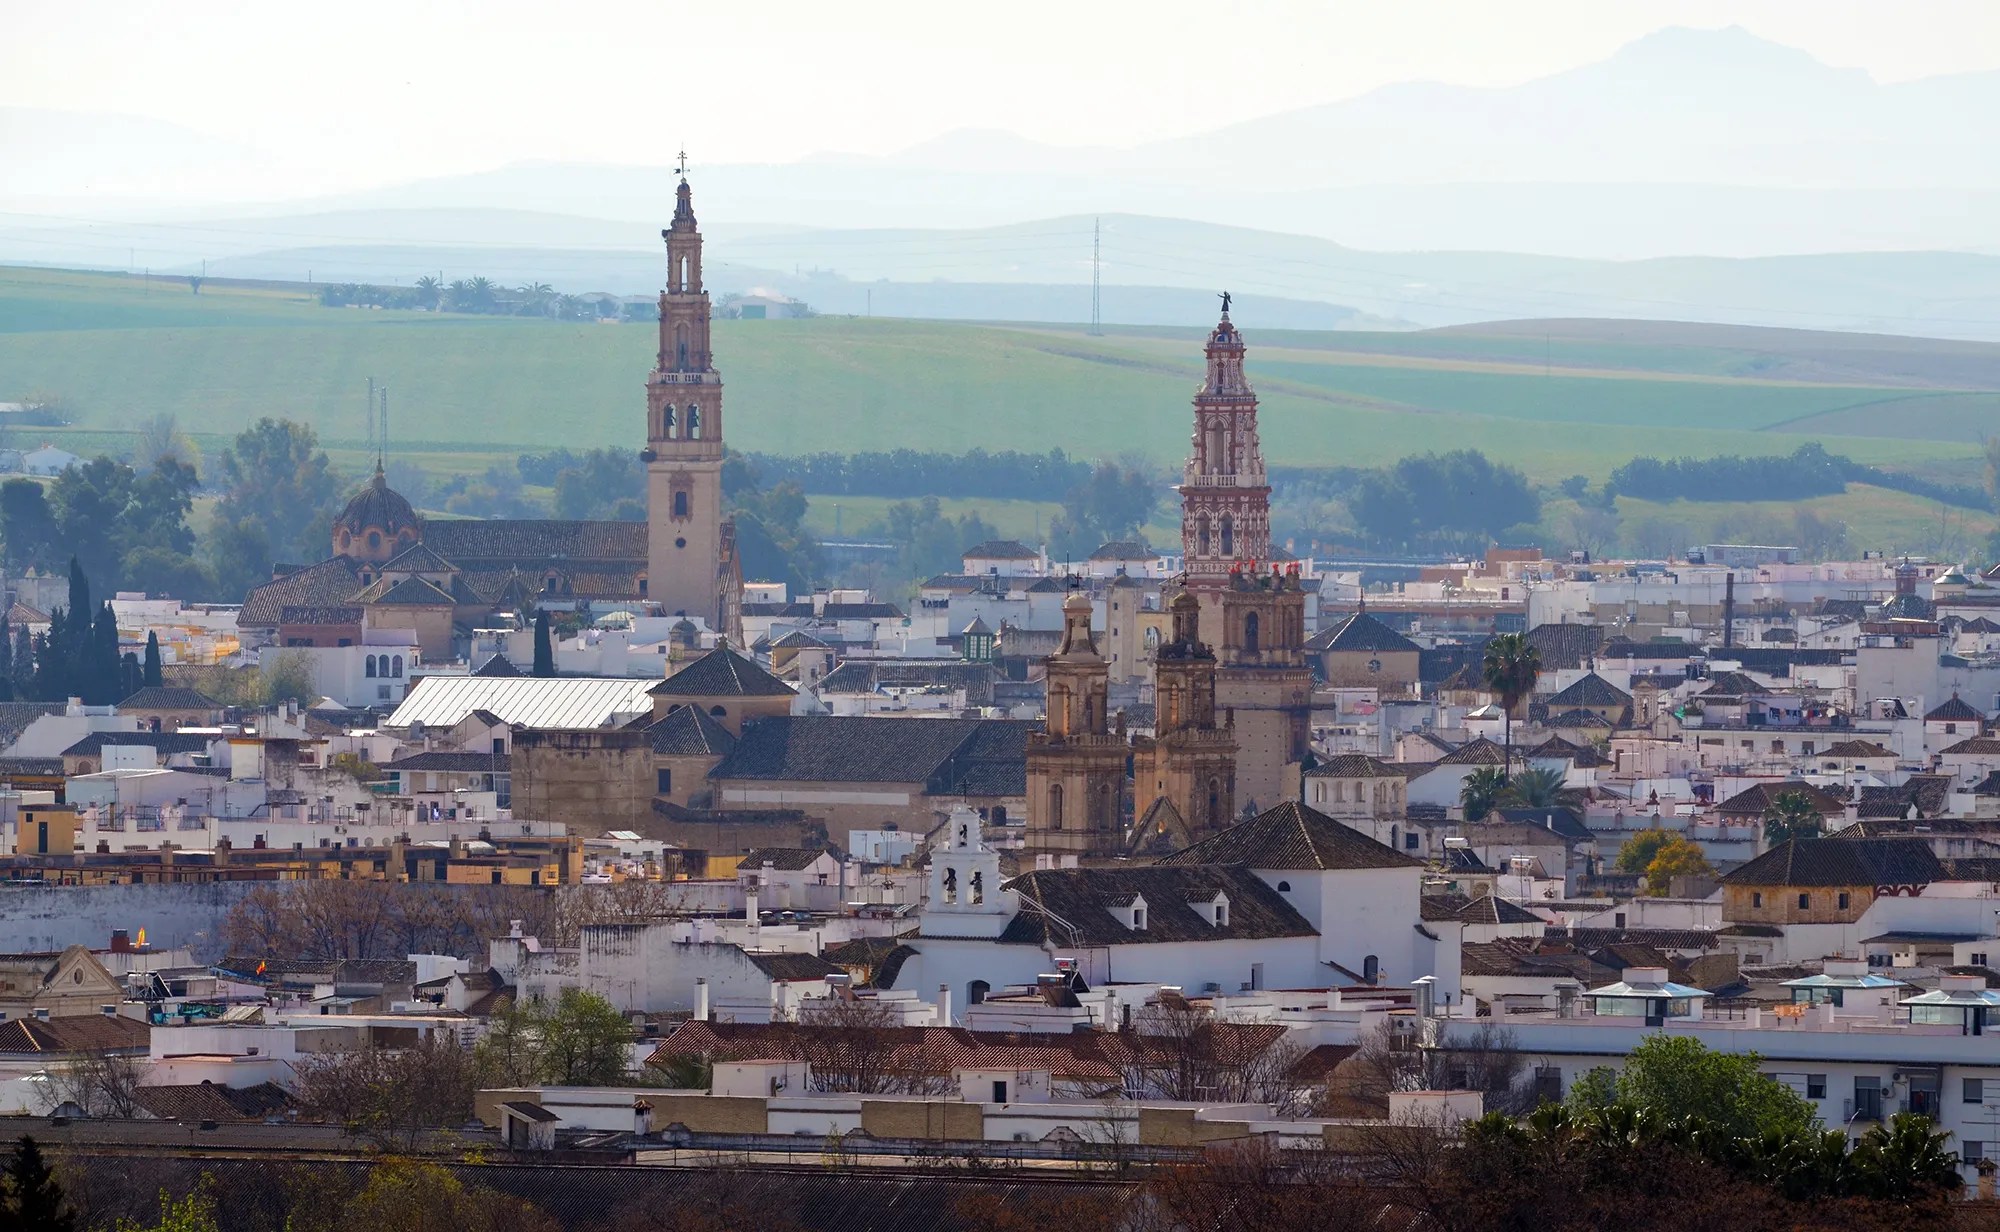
(1791, 816)
(1481, 791)
(1903, 1159)
(429, 291)
(1533, 789)
(1510, 668)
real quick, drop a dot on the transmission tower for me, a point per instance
(1096, 235)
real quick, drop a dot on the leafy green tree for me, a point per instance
(153, 677)
(1481, 791)
(1791, 815)
(194, 1213)
(1510, 667)
(1677, 857)
(1460, 499)
(1677, 1077)
(580, 1039)
(1112, 504)
(27, 526)
(584, 1040)
(279, 495)
(34, 1200)
(930, 542)
(545, 654)
(1639, 850)
(1533, 788)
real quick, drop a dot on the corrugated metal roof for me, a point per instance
(525, 701)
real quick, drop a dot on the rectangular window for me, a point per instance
(1807, 748)
(1977, 958)
(1867, 1098)
(1756, 898)
(1410, 842)
(1548, 1084)
(1971, 1151)
(1815, 1086)
(1843, 900)
(1805, 901)
(1975, 1090)
(666, 781)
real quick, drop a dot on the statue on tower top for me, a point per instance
(1225, 303)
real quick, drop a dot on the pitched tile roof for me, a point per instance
(1486, 909)
(1755, 799)
(1000, 549)
(1733, 684)
(782, 967)
(1977, 745)
(1557, 747)
(17, 717)
(1957, 710)
(1591, 690)
(163, 743)
(73, 1033)
(410, 592)
(1072, 906)
(471, 543)
(1360, 632)
(192, 1103)
(1480, 752)
(722, 673)
(950, 756)
(1564, 646)
(1121, 549)
(1841, 862)
(329, 583)
(1560, 821)
(1929, 794)
(419, 558)
(782, 859)
(497, 666)
(688, 731)
(168, 697)
(1856, 748)
(1361, 766)
(1290, 835)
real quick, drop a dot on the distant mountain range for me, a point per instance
(1698, 175)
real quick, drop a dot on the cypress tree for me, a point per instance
(131, 677)
(545, 654)
(74, 646)
(152, 676)
(6, 663)
(38, 1201)
(103, 673)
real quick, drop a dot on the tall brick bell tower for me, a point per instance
(691, 565)
(1251, 607)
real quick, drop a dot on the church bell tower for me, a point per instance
(690, 547)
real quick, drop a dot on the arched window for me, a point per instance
(694, 422)
(374, 540)
(1104, 807)
(370, 666)
(398, 665)
(1371, 969)
(1201, 536)
(680, 504)
(1250, 633)
(975, 992)
(977, 886)
(1055, 806)
(717, 711)
(1228, 535)
(670, 422)
(1214, 799)
(951, 885)
(1284, 887)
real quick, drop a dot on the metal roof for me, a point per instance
(525, 701)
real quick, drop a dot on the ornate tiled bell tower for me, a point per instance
(1225, 498)
(1076, 764)
(1252, 610)
(689, 545)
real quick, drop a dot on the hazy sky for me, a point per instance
(371, 92)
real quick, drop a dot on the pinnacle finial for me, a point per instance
(684, 164)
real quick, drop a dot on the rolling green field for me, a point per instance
(1572, 398)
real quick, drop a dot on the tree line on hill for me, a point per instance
(479, 296)
(1005, 475)
(1806, 472)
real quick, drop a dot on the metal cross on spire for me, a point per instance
(684, 163)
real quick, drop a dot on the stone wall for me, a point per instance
(34, 918)
(591, 781)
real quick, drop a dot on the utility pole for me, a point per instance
(1096, 321)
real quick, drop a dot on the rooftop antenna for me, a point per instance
(1096, 234)
(371, 417)
(382, 453)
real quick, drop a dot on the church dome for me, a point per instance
(377, 523)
